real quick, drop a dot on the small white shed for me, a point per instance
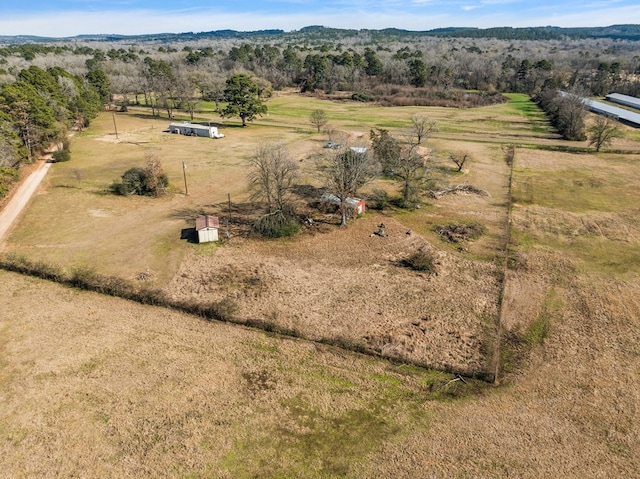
(195, 129)
(207, 228)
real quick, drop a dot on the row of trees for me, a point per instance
(567, 112)
(361, 62)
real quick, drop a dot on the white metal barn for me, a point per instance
(622, 115)
(195, 129)
(626, 100)
(207, 228)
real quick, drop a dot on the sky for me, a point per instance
(60, 18)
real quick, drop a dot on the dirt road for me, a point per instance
(20, 199)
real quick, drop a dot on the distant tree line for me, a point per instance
(46, 87)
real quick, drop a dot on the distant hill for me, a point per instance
(626, 32)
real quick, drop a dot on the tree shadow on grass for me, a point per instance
(309, 192)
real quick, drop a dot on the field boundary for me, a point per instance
(219, 311)
(510, 160)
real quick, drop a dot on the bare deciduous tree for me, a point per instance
(422, 127)
(403, 161)
(602, 132)
(318, 119)
(273, 175)
(459, 159)
(345, 172)
(156, 180)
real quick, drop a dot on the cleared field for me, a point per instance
(129, 391)
(95, 386)
(342, 286)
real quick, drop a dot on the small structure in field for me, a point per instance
(195, 129)
(354, 204)
(207, 228)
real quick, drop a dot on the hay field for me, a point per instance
(96, 386)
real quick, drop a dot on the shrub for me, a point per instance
(421, 260)
(155, 297)
(362, 97)
(38, 269)
(134, 182)
(280, 224)
(61, 155)
(457, 233)
(83, 277)
(378, 200)
(223, 310)
(149, 181)
(64, 154)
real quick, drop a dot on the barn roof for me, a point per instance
(621, 114)
(627, 100)
(207, 221)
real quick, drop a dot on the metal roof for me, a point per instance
(626, 100)
(620, 114)
(207, 221)
(333, 199)
(194, 126)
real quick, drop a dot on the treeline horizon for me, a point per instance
(49, 88)
(620, 31)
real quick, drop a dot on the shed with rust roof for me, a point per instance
(207, 228)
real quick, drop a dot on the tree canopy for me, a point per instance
(243, 97)
(41, 106)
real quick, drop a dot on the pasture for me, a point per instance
(131, 390)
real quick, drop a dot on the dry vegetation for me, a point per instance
(127, 390)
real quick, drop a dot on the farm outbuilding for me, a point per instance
(195, 129)
(626, 100)
(624, 116)
(355, 204)
(207, 228)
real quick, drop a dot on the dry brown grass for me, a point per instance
(99, 387)
(130, 391)
(349, 286)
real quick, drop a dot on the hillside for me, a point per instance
(623, 32)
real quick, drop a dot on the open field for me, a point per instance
(127, 390)
(415, 317)
(96, 386)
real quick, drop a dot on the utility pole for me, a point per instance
(114, 123)
(228, 214)
(184, 173)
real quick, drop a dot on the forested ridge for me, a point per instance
(630, 32)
